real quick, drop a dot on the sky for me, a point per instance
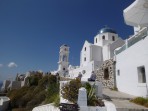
(32, 31)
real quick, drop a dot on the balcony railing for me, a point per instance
(121, 49)
(134, 39)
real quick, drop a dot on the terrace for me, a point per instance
(133, 40)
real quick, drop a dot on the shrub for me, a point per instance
(57, 100)
(31, 104)
(44, 81)
(20, 109)
(33, 80)
(16, 95)
(53, 89)
(52, 79)
(32, 95)
(92, 99)
(114, 89)
(70, 90)
(146, 104)
(140, 101)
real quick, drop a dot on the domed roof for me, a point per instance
(106, 30)
(65, 45)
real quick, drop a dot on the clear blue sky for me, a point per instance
(31, 31)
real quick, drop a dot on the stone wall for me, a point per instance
(106, 74)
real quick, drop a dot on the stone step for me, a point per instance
(114, 97)
(110, 94)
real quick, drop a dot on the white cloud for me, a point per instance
(1, 65)
(12, 65)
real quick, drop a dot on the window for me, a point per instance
(85, 48)
(141, 74)
(106, 74)
(96, 40)
(103, 37)
(64, 58)
(118, 72)
(84, 58)
(113, 38)
(83, 72)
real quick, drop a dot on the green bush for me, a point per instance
(16, 95)
(46, 88)
(92, 99)
(114, 89)
(140, 101)
(33, 80)
(70, 90)
(44, 81)
(36, 93)
(52, 90)
(57, 100)
(20, 109)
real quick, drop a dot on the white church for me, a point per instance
(116, 62)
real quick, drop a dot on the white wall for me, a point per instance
(74, 72)
(118, 43)
(85, 54)
(108, 39)
(106, 52)
(127, 62)
(48, 107)
(4, 103)
(91, 66)
(96, 53)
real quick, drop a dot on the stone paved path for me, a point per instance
(121, 101)
(117, 95)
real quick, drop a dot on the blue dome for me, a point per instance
(65, 45)
(106, 30)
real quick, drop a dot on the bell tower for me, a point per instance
(63, 60)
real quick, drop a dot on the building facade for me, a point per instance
(132, 65)
(117, 63)
(132, 57)
(93, 55)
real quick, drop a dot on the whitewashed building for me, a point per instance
(118, 63)
(93, 55)
(132, 57)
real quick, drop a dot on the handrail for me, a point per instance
(133, 39)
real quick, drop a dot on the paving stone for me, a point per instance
(121, 101)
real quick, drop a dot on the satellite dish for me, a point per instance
(137, 14)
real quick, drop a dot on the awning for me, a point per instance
(137, 14)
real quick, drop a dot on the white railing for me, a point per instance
(133, 39)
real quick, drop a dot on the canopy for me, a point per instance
(137, 14)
